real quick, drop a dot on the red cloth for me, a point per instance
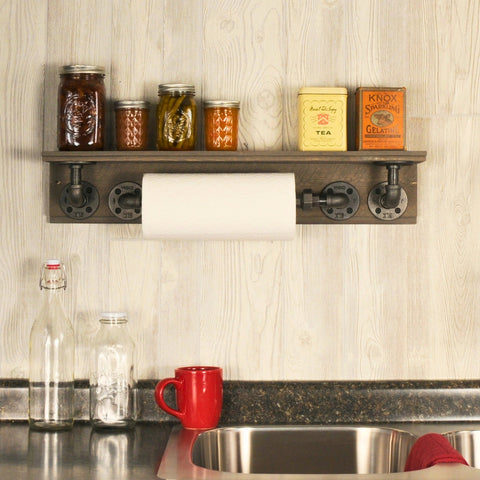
(431, 449)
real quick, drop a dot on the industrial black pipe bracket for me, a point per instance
(388, 200)
(125, 201)
(79, 199)
(338, 200)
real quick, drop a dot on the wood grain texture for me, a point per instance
(338, 302)
(444, 49)
(376, 286)
(22, 55)
(315, 42)
(78, 32)
(243, 60)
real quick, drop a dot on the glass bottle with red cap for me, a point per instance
(52, 355)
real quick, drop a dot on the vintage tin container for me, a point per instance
(380, 118)
(322, 116)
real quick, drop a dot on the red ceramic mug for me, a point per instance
(199, 392)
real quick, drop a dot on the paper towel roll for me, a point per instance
(243, 206)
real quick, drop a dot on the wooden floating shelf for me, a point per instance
(313, 170)
(196, 156)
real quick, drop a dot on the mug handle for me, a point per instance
(161, 401)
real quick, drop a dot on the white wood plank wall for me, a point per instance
(338, 302)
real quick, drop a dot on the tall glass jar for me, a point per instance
(176, 117)
(81, 108)
(113, 384)
(52, 356)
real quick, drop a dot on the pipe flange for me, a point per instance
(343, 212)
(89, 206)
(121, 209)
(378, 210)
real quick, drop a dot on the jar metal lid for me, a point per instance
(179, 88)
(113, 317)
(66, 69)
(221, 103)
(131, 104)
(323, 90)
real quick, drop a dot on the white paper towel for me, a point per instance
(199, 206)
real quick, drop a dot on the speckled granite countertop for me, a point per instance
(351, 402)
(290, 402)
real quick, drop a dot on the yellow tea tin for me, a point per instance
(322, 113)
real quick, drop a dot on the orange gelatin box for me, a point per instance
(380, 118)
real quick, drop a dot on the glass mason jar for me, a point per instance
(113, 382)
(221, 124)
(131, 124)
(176, 117)
(81, 108)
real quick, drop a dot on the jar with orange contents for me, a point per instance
(131, 124)
(221, 124)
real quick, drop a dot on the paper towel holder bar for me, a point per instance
(338, 201)
(104, 170)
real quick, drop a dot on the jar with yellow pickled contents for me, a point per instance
(322, 116)
(176, 117)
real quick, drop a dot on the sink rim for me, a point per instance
(349, 426)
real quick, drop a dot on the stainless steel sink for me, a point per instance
(303, 450)
(467, 442)
(306, 453)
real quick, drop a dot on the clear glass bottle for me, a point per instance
(113, 384)
(52, 356)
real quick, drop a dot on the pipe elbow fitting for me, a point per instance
(393, 194)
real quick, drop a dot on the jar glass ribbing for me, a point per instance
(81, 108)
(176, 117)
(113, 384)
(221, 124)
(131, 124)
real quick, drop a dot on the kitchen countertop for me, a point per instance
(137, 454)
(81, 453)
(416, 406)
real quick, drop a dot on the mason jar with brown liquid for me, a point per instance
(81, 108)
